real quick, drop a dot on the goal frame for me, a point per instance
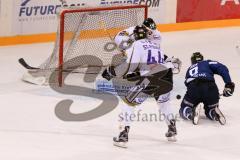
(62, 18)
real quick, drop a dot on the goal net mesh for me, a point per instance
(89, 33)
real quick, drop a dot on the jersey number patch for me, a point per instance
(193, 71)
(153, 59)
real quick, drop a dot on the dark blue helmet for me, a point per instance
(196, 57)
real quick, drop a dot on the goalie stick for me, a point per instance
(28, 67)
(25, 65)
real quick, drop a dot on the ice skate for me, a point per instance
(122, 139)
(172, 131)
(196, 114)
(219, 116)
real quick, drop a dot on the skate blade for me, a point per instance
(195, 120)
(120, 144)
(172, 139)
(222, 119)
(196, 115)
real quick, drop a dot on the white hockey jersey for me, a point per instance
(144, 55)
(125, 36)
(155, 37)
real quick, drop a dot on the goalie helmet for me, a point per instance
(196, 57)
(140, 32)
(149, 22)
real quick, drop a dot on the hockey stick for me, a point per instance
(103, 26)
(135, 91)
(25, 65)
(28, 67)
(149, 29)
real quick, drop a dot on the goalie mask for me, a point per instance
(196, 57)
(149, 23)
(140, 32)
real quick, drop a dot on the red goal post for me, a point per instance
(87, 33)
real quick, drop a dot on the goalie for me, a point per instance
(145, 64)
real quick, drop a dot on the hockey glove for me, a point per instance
(177, 63)
(229, 89)
(108, 73)
(125, 44)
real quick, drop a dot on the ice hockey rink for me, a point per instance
(30, 130)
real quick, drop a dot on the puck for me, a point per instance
(178, 96)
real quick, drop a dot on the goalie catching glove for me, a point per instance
(228, 89)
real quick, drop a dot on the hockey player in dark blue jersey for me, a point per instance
(201, 88)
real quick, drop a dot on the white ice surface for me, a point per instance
(30, 130)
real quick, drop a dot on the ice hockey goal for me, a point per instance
(85, 36)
